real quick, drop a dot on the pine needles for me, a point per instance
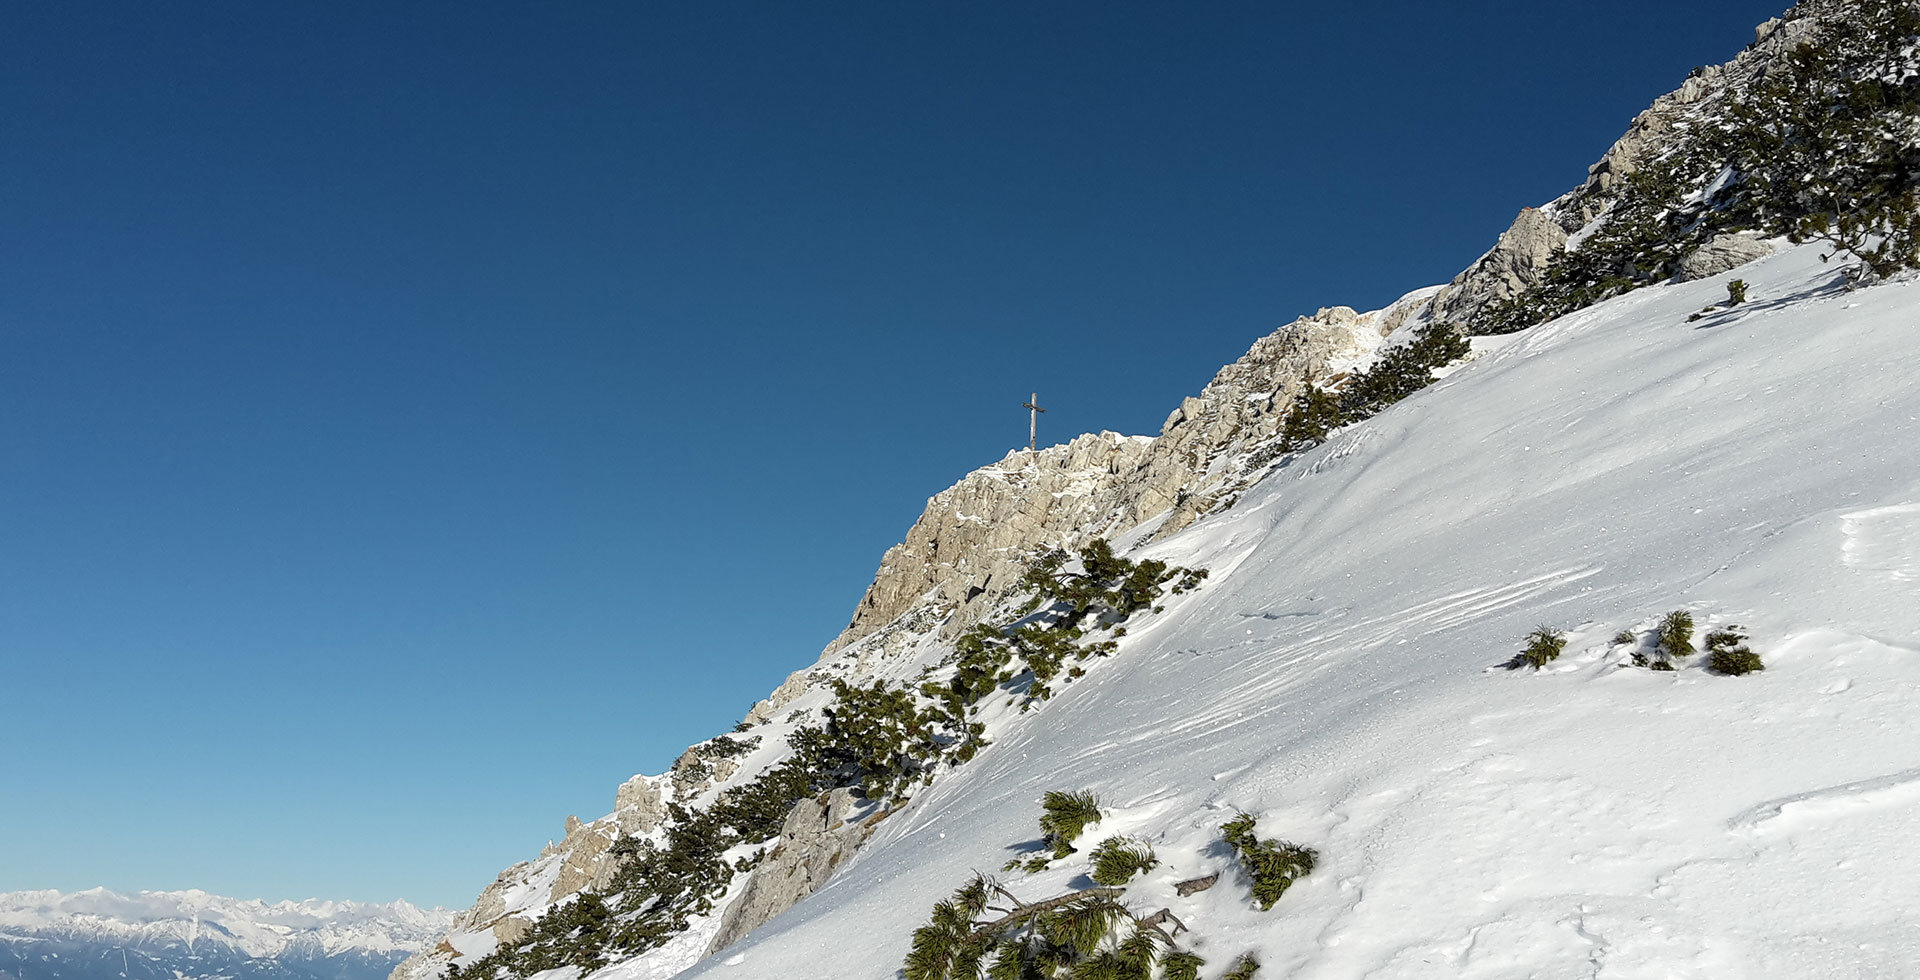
(1544, 644)
(1272, 864)
(1064, 817)
(1118, 859)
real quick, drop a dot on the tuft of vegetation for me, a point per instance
(1181, 965)
(1243, 968)
(1736, 292)
(1064, 817)
(1118, 859)
(1626, 638)
(1401, 372)
(1272, 865)
(1544, 645)
(1676, 634)
(1729, 653)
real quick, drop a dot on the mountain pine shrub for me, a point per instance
(1181, 965)
(1078, 932)
(1736, 292)
(1064, 817)
(1272, 865)
(1118, 859)
(1400, 372)
(1544, 644)
(1676, 634)
(1729, 653)
(1243, 968)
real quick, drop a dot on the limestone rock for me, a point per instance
(815, 839)
(511, 930)
(582, 862)
(793, 687)
(1722, 254)
(638, 807)
(1515, 263)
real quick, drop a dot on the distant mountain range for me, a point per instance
(192, 935)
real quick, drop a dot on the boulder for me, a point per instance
(1723, 254)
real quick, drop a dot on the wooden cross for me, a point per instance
(1033, 421)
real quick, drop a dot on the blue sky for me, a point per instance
(415, 419)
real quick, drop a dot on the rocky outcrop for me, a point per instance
(817, 837)
(1515, 263)
(972, 541)
(1723, 254)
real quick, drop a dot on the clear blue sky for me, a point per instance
(415, 419)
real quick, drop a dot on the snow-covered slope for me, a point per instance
(1337, 678)
(98, 933)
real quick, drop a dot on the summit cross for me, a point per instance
(1033, 421)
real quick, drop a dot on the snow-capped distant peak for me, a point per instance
(251, 927)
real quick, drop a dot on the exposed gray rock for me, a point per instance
(1515, 263)
(815, 839)
(637, 806)
(763, 711)
(1722, 254)
(582, 864)
(511, 929)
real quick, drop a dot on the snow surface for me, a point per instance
(1336, 677)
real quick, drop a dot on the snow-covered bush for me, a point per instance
(1273, 865)
(1064, 817)
(1181, 965)
(1729, 653)
(1543, 645)
(1243, 968)
(1676, 634)
(1118, 859)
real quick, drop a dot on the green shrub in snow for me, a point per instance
(1273, 865)
(1243, 968)
(1544, 644)
(1676, 634)
(1118, 859)
(1181, 965)
(1729, 654)
(1064, 816)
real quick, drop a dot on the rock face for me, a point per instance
(1723, 254)
(817, 837)
(1516, 262)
